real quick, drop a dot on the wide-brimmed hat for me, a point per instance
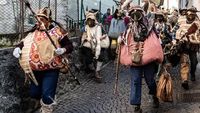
(161, 13)
(44, 12)
(192, 10)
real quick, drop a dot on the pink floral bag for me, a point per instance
(152, 50)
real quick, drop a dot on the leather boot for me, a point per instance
(137, 109)
(192, 78)
(33, 105)
(185, 85)
(98, 77)
(46, 108)
(155, 102)
(184, 71)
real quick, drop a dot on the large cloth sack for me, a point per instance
(165, 87)
(152, 50)
(116, 28)
(105, 41)
(40, 54)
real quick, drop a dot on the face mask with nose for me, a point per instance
(190, 17)
(90, 22)
(136, 16)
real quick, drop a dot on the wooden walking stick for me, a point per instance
(117, 69)
(46, 32)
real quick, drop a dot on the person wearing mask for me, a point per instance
(138, 31)
(90, 45)
(190, 45)
(41, 61)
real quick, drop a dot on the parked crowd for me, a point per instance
(147, 38)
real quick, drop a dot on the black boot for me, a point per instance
(98, 77)
(155, 102)
(185, 85)
(192, 78)
(137, 109)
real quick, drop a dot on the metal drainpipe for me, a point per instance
(39, 4)
(82, 13)
(78, 14)
(22, 19)
(49, 3)
(100, 21)
(55, 10)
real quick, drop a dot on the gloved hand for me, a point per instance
(60, 51)
(173, 42)
(119, 40)
(96, 57)
(17, 52)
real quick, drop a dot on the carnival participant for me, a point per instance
(41, 60)
(162, 28)
(139, 32)
(190, 45)
(181, 18)
(90, 45)
(173, 18)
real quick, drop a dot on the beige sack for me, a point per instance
(165, 87)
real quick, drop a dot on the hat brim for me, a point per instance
(42, 15)
(138, 9)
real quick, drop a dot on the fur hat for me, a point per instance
(44, 12)
(135, 7)
(192, 10)
(91, 15)
(161, 13)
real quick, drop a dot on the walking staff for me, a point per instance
(65, 60)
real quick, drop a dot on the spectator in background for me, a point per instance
(126, 18)
(105, 19)
(117, 26)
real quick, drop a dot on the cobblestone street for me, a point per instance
(92, 97)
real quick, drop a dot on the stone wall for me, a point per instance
(14, 97)
(11, 83)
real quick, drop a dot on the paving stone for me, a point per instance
(92, 97)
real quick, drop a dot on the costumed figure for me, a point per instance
(162, 28)
(137, 46)
(163, 31)
(181, 19)
(90, 46)
(41, 60)
(187, 37)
